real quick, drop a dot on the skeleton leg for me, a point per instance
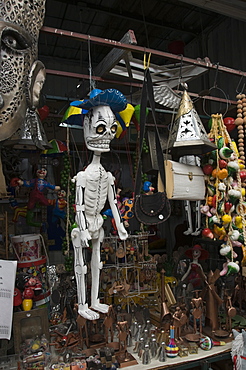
(80, 270)
(96, 266)
(198, 219)
(188, 217)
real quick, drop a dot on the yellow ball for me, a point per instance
(226, 219)
(238, 222)
(241, 166)
(243, 192)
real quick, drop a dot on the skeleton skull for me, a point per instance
(100, 127)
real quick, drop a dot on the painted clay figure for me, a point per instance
(94, 186)
(38, 185)
(60, 205)
(195, 274)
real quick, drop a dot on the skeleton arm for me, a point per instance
(186, 274)
(201, 273)
(80, 217)
(113, 205)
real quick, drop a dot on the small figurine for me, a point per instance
(197, 312)
(60, 204)
(195, 274)
(179, 320)
(38, 185)
(148, 188)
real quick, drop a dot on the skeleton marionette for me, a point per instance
(193, 161)
(93, 187)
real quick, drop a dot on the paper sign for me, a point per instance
(7, 285)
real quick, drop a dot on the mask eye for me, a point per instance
(114, 129)
(100, 129)
(14, 40)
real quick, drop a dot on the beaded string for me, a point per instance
(240, 122)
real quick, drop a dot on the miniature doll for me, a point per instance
(60, 204)
(195, 274)
(38, 185)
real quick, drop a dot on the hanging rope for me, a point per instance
(92, 82)
(68, 194)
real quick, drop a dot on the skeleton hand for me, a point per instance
(80, 237)
(123, 235)
(85, 237)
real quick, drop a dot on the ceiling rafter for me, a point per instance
(135, 17)
(206, 63)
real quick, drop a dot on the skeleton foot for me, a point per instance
(196, 232)
(103, 308)
(188, 232)
(88, 314)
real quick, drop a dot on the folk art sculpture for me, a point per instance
(194, 274)
(94, 186)
(37, 196)
(22, 75)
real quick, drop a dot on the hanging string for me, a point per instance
(92, 82)
(76, 149)
(129, 158)
(145, 25)
(180, 71)
(170, 126)
(238, 85)
(68, 223)
(215, 87)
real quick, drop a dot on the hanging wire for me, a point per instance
(77, 151)
(216, 76)
(92, 82)
(180, 71)
(238, 85)
(145, 25)
(170, 126)
(215, 87)
(68, 223)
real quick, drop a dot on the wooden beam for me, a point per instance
(115, 55)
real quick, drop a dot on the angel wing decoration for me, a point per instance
(165, 95)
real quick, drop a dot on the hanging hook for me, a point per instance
(216, 75)
(238, 85)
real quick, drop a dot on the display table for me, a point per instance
(202, 359)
